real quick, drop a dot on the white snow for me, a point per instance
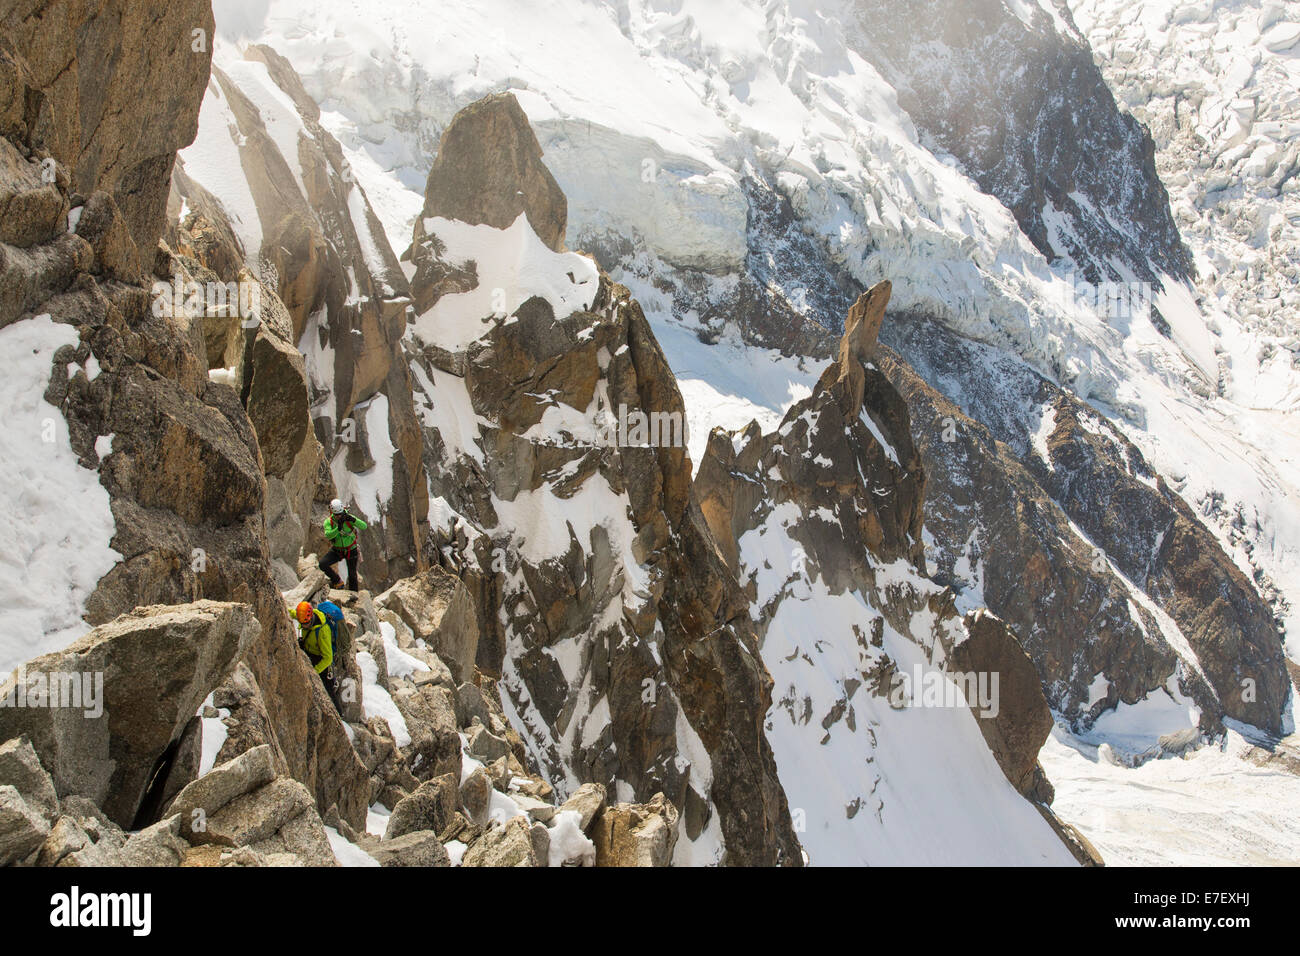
(348, 854)
(513, 265)
(1219, 86)
(650, 119)
(568, 842)
(1132, 730)
(400, 663)
(876, 786)
(456, 851)
(212, 735)
(60, 524)
(915, 786)
(213, 160)
(648, 115)
(372, 489)
(1038, 440)
(1210, 808)
(377, 702)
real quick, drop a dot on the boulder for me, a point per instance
(430, 718)
(485, 745)
(541, 839)
(92, 821)
(285, 705)
(157, 845)
(636, 834)
(418, 848)
(538, 810)
(1022, 721)
(251, 770)
(439, 610)
(22, 827)
(21, 769)
(471, 703)
(65, 838)
(587, 801)
(430, 807)
(157, 665)
(252, 817)
(278, 819)
(510, 844)
(476, 795)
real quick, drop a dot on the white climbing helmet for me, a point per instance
(336, 506)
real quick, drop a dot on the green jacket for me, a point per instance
(343, 535)
(317, 640)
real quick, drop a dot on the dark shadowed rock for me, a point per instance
(119, 136)
(1023, 721)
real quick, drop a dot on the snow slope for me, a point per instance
(870, 784)
(58, 514)
(1219, 86)
(1211, 808)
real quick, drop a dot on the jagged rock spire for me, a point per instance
(489, 169)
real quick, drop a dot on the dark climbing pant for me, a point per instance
(332, 688)
(333, 557)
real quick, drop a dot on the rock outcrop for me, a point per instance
(1056, 141)
(821, 520)
(183, 469)
(1097, 564)
(578, 550)
(640, 834)
(1023, 720)
(318, 247)
(153, 668)
(510, 179)
(53, 73)
(439, 611)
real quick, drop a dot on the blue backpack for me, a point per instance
(338, 626)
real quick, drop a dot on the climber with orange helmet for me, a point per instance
(341, 529)
(316, 637)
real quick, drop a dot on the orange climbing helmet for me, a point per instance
(303, 612)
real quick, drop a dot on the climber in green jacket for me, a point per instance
(341, 529)
(317, 638)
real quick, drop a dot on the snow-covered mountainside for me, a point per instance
(597, 578)
(747, 167)
(737, 144)
(788, 432)
(1217, 83)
